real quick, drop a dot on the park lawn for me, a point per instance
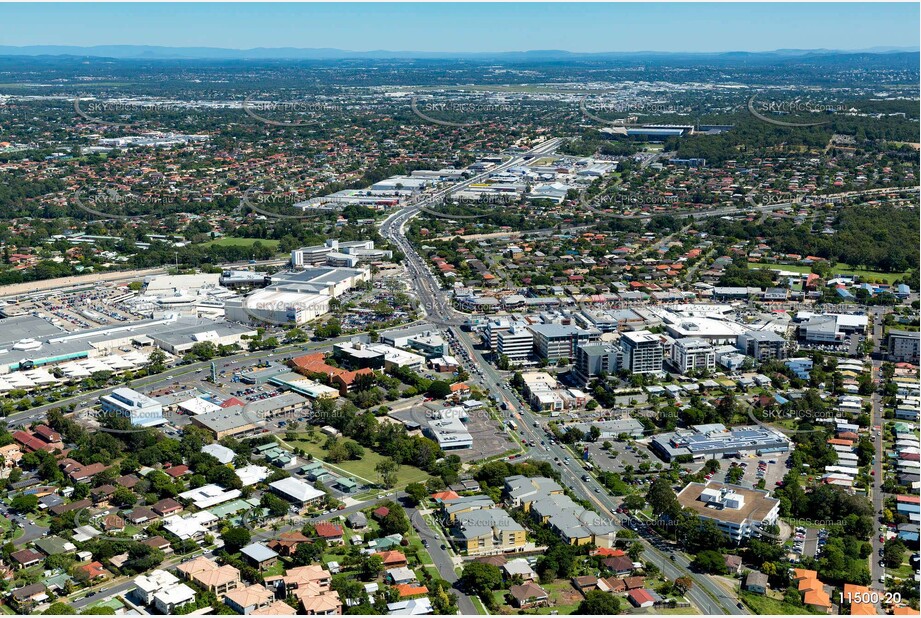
(765, 605)
(232, 241)
(363, 469)
(841, 269)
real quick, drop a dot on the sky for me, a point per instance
(471, 27)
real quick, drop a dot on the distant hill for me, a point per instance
(150, 52)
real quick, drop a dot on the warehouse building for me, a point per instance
(227, 422)
(716, 442)
(296, 297)
(27, 342)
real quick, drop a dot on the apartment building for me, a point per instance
(762, 345)
(515, 343)
(594, 359)
(556, 341)
(487, 531)
(737, 511)
(903, 346)
(693, 355)
(642, 352)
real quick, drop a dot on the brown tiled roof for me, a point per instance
(60, 509)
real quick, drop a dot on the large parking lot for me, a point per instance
(489, 437)
(770, 468)
(79, 309)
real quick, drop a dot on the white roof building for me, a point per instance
(296, 490)
(210, 495)
(197, 405)
(252, 474)
(191, 526)
(220, 452)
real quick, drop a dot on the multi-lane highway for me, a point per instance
(706, 595)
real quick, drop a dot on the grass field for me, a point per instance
(563, 598)
(230, 241)
(362, 469)
(837, 270)
(765, 605)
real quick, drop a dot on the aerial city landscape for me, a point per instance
(287, 329)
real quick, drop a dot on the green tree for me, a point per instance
(236, 539)
(59, 609)
(371, 567)
(710, 561)
(893, 552)
(598, 603)
(438, 389)
(387, 472)
(481, 579)
(22, 503)
(395, 522)
(156, 361)
(417, 493)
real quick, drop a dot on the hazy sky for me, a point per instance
(468, 27)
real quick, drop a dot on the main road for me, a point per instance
(705, 594)
(876, 494)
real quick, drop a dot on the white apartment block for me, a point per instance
(642, 352)
(693, 354)
(515, 343)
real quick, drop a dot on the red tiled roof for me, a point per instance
(640, 596)
(408, 590)
(327, 530)
(177, 471)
